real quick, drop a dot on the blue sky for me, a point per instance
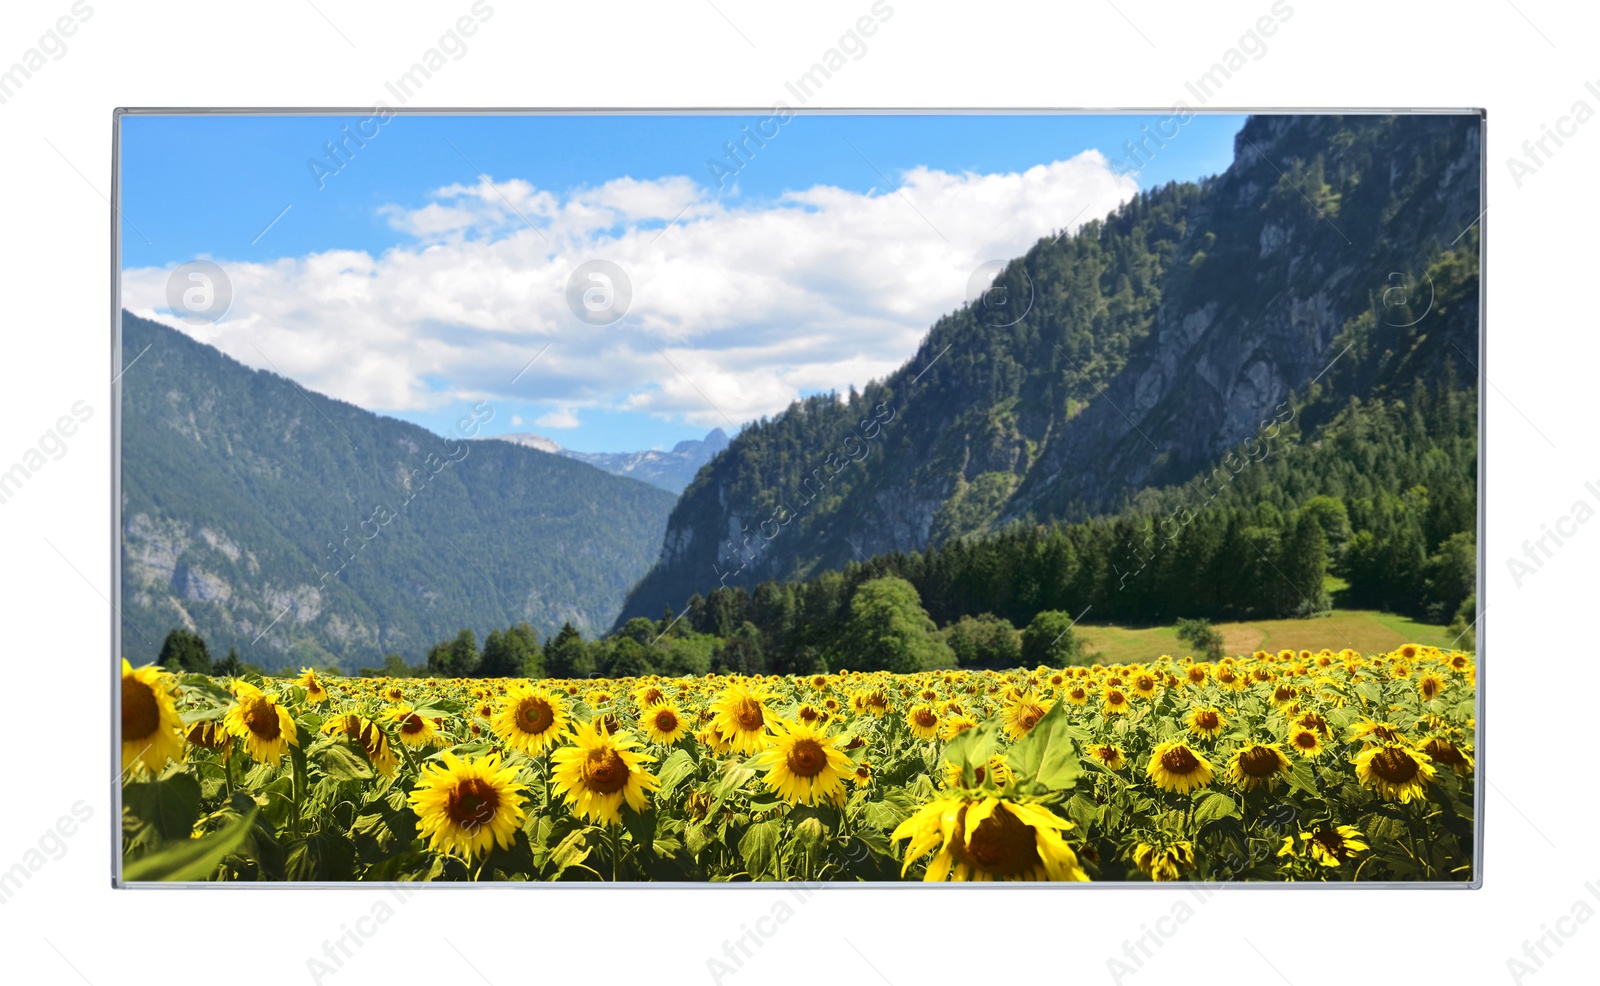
(427, 271)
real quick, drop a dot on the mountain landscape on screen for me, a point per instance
(1023, 516)
(1316, 321)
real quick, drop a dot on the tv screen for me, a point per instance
(782, 495)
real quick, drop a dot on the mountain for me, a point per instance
(302, 529)
(671, 471)
(1132, 355)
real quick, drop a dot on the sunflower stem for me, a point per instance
(615, 831)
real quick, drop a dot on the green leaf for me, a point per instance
(190, 859)
(1214, 808)
(1302, 779)
(1048, 756)
(1082, 810)
(883, 815)
(678, 767)
(323, 856)
(342, 763)
(170, 805)
(758, 845)
(970, 749)
(572, 851)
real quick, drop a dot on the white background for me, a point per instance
(1540, 747)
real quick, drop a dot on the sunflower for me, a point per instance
(862, 775)
(1077, 695)
(663, 723)
(1284, 694)
(1397, 772)
(152, 730)
(1164, 863)
(741, 716)
(804, 765)
(1197, 674)
(876, 703)
(1175, 767)
(415, 729)
(955, 726)
(1256, 765)
(991, 839)
(1115, 702)
(530, 720)
(1144, 684)
(924, 722)
(467, 806)
(1330, 844)
(210, 734)
(1430, 685)
(1108, 754)
(365, 732)
(316, 694)
(1305, 741)
(648, 694)
(1383, 732)
(393, 693)
(1230, 679)
(1447, 752)
(1206, 723)
(265, 726)
(711, 737)
(598, 772)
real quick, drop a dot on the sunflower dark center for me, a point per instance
(747, 714)
(1206, 720)
(1305, 739)
(536, 715)
(1179, 760)
(411, 725)
(605, 771)
(1258, 761)
(261, 716)
(806, 758)
(1002, 845)
(665, 720)
(141, 713)
(1445, 752)
(925, 718)
(472, 802)
(1394, 766)
(1332, 841)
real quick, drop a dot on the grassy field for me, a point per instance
(1365, 630)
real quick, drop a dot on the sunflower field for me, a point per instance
(1272, 767)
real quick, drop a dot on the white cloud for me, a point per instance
(516, 420)
(564, 417)
(742, 306)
